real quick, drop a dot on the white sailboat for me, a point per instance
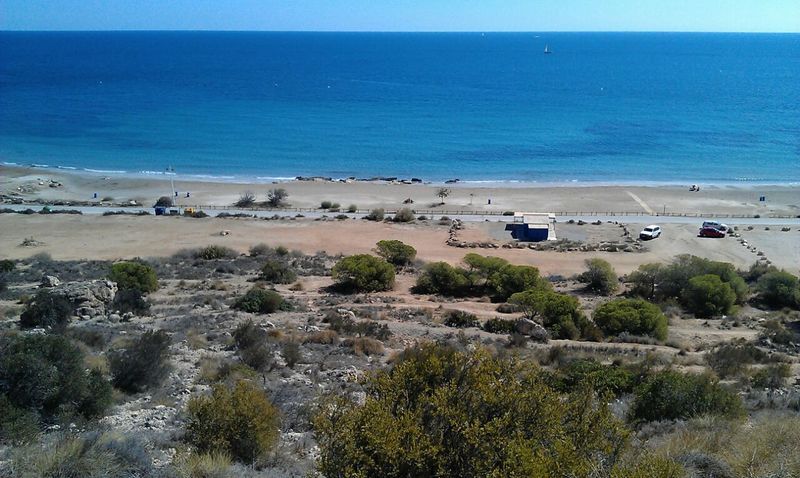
(547, 50)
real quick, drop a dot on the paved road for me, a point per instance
(628, 219)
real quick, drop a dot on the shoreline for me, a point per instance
(453, 182)
(44, 186)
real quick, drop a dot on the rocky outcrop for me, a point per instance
(89, 298)
(535, 331)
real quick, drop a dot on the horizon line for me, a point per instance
(187, 30)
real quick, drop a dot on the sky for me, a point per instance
(404, 15)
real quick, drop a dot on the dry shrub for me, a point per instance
(326, 337)
(764, 446)
(196, 340)
(204, 465)
(364, 346)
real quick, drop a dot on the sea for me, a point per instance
(600, 108)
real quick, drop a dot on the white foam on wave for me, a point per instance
(104, 171)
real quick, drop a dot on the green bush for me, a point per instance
(460, 319)
(44, 376)
(47, 310)
(325, 205)
(164, 201)
(134, 276)
(560, 314)
(731, 359)
(258, 357)
(779, 334)
(240, 422)
(500, 326)
(511, 279)
(130, 300)
(277, 272)
(6, 265)
(143, 364)
(634, 316)
(375, 215)
(363, 273)
(671, 395)
(396, 252)
(439, 412)
(251, 341)
(661, 282)
(352, 208)
(611, 379)
(291, 353)
(646, 280)
(708, 296)
(757, 270)
(259, 301)
(214, 252)
(779, 289)
(444, 279)
(404, 215)
(772, 376)
(599, 277)
(481, 268)
(248, 334)
(17, 425)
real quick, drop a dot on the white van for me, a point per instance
(716, 225)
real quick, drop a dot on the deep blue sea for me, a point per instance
(602, 108)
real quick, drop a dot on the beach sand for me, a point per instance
(115, 237)
(781, 200)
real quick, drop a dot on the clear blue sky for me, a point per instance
(404, 15)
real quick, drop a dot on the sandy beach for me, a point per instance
(32, 183)
(76, 237)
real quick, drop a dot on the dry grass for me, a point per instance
(766, 446)
(97, 362)
(326, 337)
(203, 465)
(297, 287)
(364, 346)
(196, 340)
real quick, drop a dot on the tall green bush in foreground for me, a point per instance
(240, 422)
(444, 413)
(633, 316)
(44, 377)
(363, 273)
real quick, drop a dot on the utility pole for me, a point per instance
(171, 172)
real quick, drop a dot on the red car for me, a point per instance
(710, 232)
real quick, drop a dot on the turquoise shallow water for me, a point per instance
(602, 108)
